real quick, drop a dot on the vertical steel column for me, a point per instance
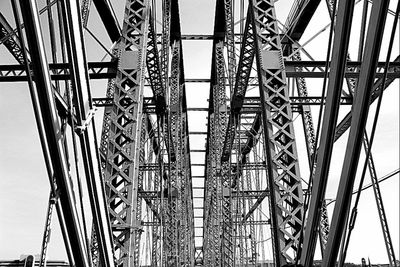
(360, 113)
(212, 228)
(163, 125)
(142, 160)
(158, 85)
(338, 64)
(186, 252)
(49, 129)
(223, 168)
(171, 231)
(103, 150)
(286, 196)
(122, 164)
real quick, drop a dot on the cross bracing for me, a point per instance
(216, 141)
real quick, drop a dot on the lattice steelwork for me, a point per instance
(252, 200)
(286, 198)
(122, 164)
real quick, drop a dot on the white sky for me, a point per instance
(24, 185)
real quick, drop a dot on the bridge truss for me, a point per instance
(262, 194)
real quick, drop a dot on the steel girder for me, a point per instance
(107, 70)
(49, 131)
(344, 124)
(309, 133)
(224, 169)
(245, 193)
(59, 71)
(351, 84)
(178, 243)
(122, 163)
(211, 208)
(286, 200)
(379, 203)
(84, 114)
(246, 58)
(218, 243)
(12, 43)
(230, 41)
(299, 17)
(218, 229)
(358, 122)
(338, 62)
(253, 244)
(166, 29)
(15, 50)
(47, 229)
(154, 71)
(171, 243)
(108, 17)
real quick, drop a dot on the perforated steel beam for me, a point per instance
(122, 162)
(286, 198)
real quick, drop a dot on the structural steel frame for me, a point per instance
(139, 177)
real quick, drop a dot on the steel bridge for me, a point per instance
(143, 188)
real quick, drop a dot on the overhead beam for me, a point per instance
(107, 70)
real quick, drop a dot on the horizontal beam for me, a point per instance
(253, 106)
(107, 70)
(59, 71)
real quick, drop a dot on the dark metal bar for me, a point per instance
(45, 149)
(107, 70)
(84, 115)
(51, 142)
(300, 19)
(108, 17)
(338, 64)
(358, 122)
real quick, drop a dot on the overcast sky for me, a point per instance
(24, 187)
